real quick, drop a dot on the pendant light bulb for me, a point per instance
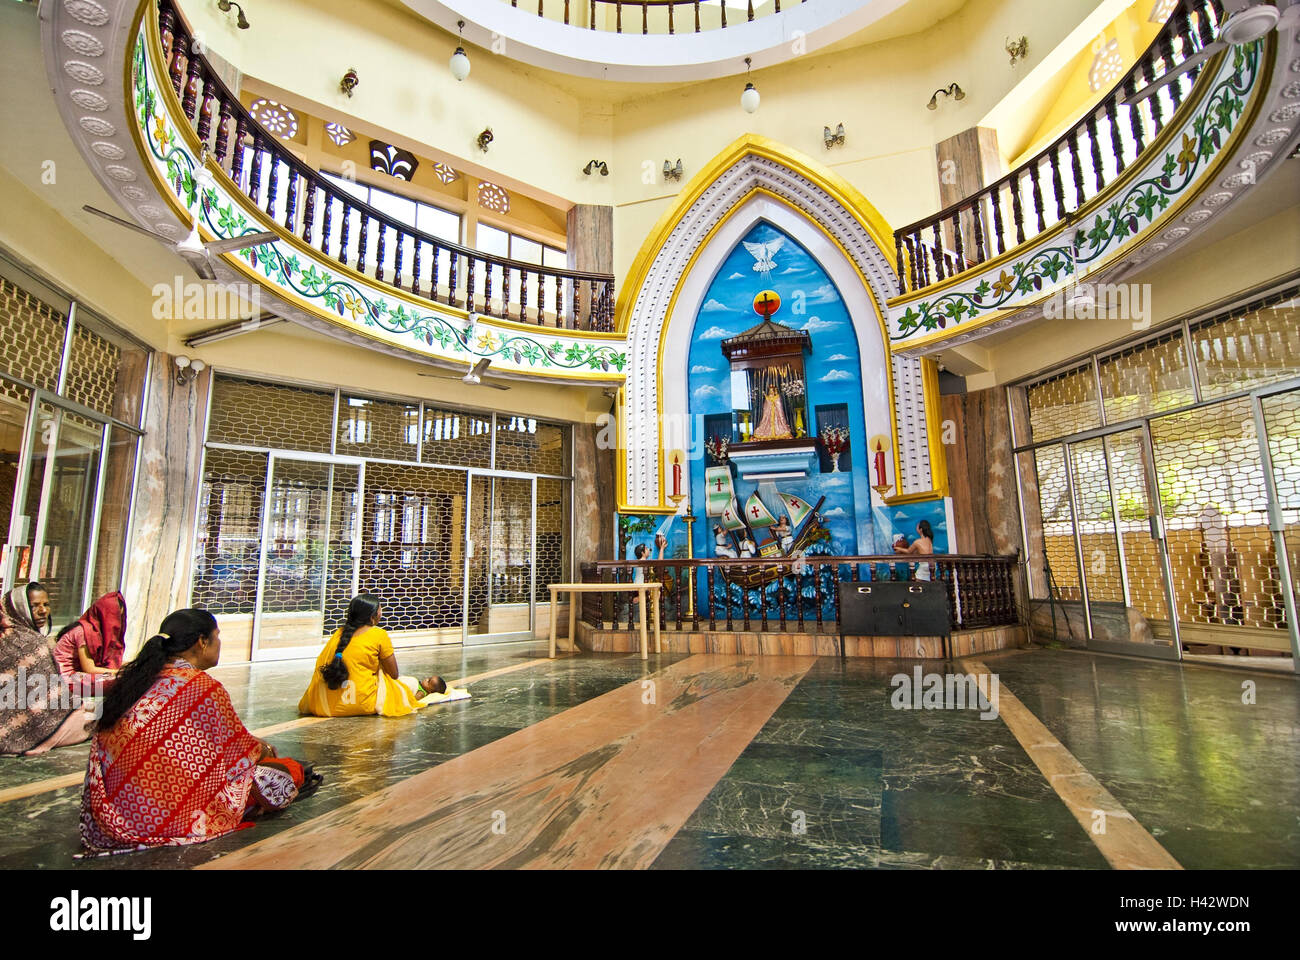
(749, 100)
(459, 62)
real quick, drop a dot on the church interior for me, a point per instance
(752, 482)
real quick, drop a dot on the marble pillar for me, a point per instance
(158, 566)
(593, 497)
(981, 472)
(966, 163)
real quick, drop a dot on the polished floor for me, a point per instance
(710, 761)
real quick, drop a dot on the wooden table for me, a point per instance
(641, 589)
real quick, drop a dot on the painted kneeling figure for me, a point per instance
(171, 763)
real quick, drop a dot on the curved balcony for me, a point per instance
(1102, 198)
(338, 265)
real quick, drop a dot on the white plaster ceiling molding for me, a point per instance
(800, 28)
(1201, 203)
(652, 300)
(101, 129)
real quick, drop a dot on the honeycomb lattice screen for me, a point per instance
(1282, 421)
(93, 370)
(1255, 345)
(457, 438)
(383, 429)
(256, 414)
(531, 446)
(1146, 379)
(32, 346)
(229, 534)
(412, 545)
(1064, 404)
(553, 565)
(1058, 525)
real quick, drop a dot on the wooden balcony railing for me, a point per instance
(795, 594)
(309, 206)
(1050, 187)
(599, 11)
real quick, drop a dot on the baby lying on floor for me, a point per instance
(433, 690)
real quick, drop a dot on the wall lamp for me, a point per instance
(833, 137)
(596, 165)
(351, 80)
(673, 172)
(952, 90)
(484, 138)
(225, 5)
(187, 370)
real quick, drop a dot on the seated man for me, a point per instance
(722, 543)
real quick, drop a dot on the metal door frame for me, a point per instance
(466, 637)
(1276, 525)
(256, 654)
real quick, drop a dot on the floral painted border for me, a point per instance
(1140, 206)
(358, 305)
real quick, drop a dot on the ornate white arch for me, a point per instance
(680, 271)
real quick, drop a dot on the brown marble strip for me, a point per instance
(1124, 842)
(73, 779)
(604, 784)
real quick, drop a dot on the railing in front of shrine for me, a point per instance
(794, 594)
(582, 300)
(606, 7)
(964, 235)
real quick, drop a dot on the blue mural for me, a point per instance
(768, 261)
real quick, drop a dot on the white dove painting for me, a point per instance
(764, 255)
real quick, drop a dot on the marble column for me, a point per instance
(593, 497)
(166, 498)
(981, 472)
(966, 162)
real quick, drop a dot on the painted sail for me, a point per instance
(731, 517)
(718, 493)
(756, 513)
(797, 509)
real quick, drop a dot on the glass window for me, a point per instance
(528, 251)
(437, 222)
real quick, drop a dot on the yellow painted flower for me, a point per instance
(1188, 155)
(485, 342)
(1004, 284)
(160, 131)
(352, 304)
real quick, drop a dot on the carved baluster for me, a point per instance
(726, 593)
(472, 264)
(325, 223)
(224, 117)
(1204, 29)
(452, 270)
(692, 593)
(911, 267)
(1076, 168)
(487, 288)
(1153, 102)
(566, 12)
(166, 31)
(762, 606)
(957, 242)
(938, 252)
(291, 200)
(1166, 46)
(1116, 139)
(361, 242)
(415, 265)
(272, 184)
(379, 249)
(902, 276)
(1036, 188)
(205, 113)
(309, 211)
(1098, 165)
(677, 595)
(708, 575)
(817, 590)
(618, 18)
(723, 8)
(344, 228)
(190, 102)
(697, 16)
(180, 62)
(255, 174)
(996, 196)
(671, 31)
(237, 156)
(751, 9)
(645, 24)
(1058, 185)
(744, 606)
(541, 299)
(977, 220)
(1017, 207)
(1134, 116)
(559, 302)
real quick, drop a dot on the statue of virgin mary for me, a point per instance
(773, 425)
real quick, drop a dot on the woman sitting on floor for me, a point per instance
(356, 672)
(90, 649)
(47, 717)
(171, 763)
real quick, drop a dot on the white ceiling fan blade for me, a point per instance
(1172, 75)
(239, 243)
(199, 263)
(440, 376)
(479, 367)
(126, 223)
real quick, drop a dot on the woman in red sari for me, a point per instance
(90, 649)
(171, 763)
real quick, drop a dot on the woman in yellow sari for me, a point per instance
(356, 672)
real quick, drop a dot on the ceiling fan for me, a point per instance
(1245, 24)
(194, 251)
(474, 378)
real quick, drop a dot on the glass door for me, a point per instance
(1278, 424)
(308, 568)
(500, 531)
(61, 502)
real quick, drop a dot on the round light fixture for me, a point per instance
(750, 99)
(459, 62)
(182, 362)
(1247, 26)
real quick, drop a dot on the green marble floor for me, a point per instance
(836, 777)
